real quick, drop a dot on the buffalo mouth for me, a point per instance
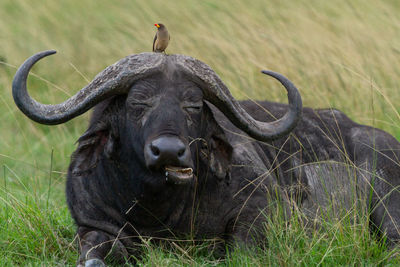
(178, 175)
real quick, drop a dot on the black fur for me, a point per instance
(114, 199)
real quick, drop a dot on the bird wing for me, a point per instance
(154, 42)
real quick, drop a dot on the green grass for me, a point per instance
(342, 54)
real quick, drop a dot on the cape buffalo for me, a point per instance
(170, 153)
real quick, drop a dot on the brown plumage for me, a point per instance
(161, 39)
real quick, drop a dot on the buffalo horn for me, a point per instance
(119, 77)
(216, 92)
(115, 79)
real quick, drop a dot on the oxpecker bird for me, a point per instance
(161, 38)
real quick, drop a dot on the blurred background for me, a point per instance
(340, 54)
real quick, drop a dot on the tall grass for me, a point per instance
(341, 54)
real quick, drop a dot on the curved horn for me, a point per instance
(218, 94)
(115, 79)
(119, 77)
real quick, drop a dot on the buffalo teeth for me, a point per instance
(178, 174)
(178, 170)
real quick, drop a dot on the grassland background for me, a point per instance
(341, 54)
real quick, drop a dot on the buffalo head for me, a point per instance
(160, 101)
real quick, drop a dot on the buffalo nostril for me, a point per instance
(155, 150)
(166, 150)
(181, 152)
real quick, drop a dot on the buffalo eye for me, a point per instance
(193, 109)
(192, 100)
(137, 110)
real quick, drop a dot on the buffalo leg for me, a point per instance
(95, 245)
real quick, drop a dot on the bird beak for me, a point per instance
(158, 26)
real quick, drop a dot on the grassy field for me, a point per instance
(342, 54)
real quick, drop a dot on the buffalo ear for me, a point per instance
(91, 145)
(217, 151)
(96, 141)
